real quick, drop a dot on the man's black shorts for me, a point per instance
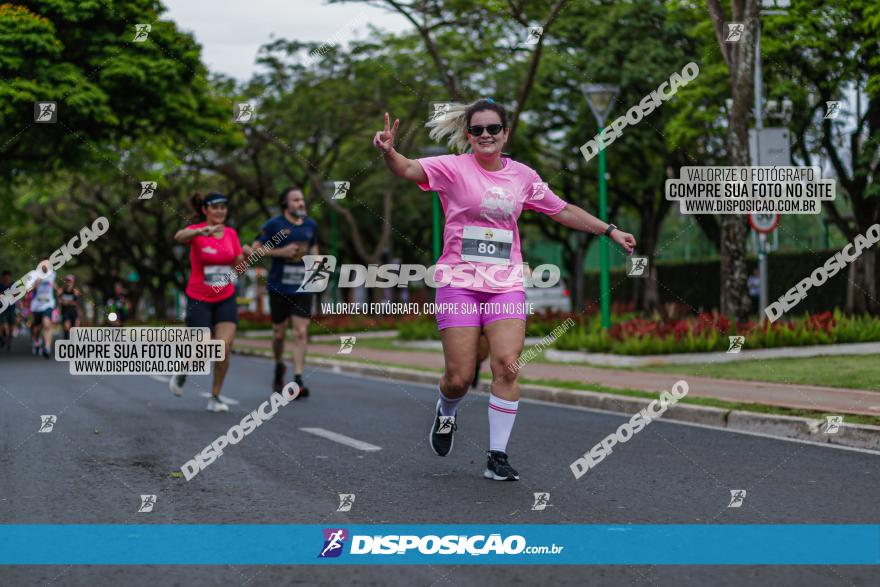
(8, 316)
(282, 306)
(37, 317)
(69, 315)
(208, 314)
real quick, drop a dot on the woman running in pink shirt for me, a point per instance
(483, 194)
(214, 250)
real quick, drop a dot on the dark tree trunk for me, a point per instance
(740, 59)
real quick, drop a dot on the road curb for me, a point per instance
(851, 435)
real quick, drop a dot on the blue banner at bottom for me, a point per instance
(257, 544)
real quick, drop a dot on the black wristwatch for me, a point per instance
(609, 229)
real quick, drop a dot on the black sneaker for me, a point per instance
(303, 390)
(442, 430)
(45, 353)
(498, 469)
(278, 382)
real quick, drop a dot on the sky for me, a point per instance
(231, 31)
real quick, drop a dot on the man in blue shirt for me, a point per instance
(293, 235)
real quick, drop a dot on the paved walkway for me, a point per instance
(807, 397)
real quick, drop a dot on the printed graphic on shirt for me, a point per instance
(497, 204)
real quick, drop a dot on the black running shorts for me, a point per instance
(201, 314)
(282, 306)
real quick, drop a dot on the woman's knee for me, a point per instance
(504, 366)
(458, 381)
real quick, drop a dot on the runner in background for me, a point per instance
(42, 305)
(483, 195)
(298, 236)
(214, 250)
(118, 306)
(69, 295)
(7, 317)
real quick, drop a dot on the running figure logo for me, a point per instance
(346, 345)
(539, 188)
(47, 423)
(141, 32)
(737, 496)
(45, 112)
(319, 268)
(535, 33)
(542, 500)
(734, 32)
(832, 424)
(148, 188)
(638, 266)
(346, 500)
(243, 112)
(340, 189)
(334, 541)
(147, 503)
(832, 109)
(439, 110)
(736, 343)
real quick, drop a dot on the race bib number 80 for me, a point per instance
(486, 245)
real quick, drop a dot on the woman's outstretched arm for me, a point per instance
(579, 219)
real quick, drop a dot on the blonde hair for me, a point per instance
(452, 125)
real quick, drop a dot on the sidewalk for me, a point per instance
(807, 397)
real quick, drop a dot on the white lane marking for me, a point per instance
(223, 398)
(160, 378)
(342, 439)
(622, 415)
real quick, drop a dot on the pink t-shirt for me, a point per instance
(481, 237)
(211, 260)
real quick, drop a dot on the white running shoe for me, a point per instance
(215, 404)
(176, 384)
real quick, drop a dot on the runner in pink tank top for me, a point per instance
(483, 195)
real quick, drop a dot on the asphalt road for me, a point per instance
(122, 436)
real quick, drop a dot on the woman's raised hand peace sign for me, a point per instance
(384, 139)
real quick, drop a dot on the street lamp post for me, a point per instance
(436, 231)
(600, 98)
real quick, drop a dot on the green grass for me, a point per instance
(846, 371)
(699, 401)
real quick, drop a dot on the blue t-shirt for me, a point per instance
(286, 275)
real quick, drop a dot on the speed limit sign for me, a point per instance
(764, 222)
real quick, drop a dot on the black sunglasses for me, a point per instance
(493, 129)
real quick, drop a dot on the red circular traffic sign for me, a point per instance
(764, 222)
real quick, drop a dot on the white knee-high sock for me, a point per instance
(448, 406)
(502, 414)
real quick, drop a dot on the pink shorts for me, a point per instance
(457, 307)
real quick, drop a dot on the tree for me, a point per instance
(127, 112)
(822, 52)
(740, 59)
(107, 87)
